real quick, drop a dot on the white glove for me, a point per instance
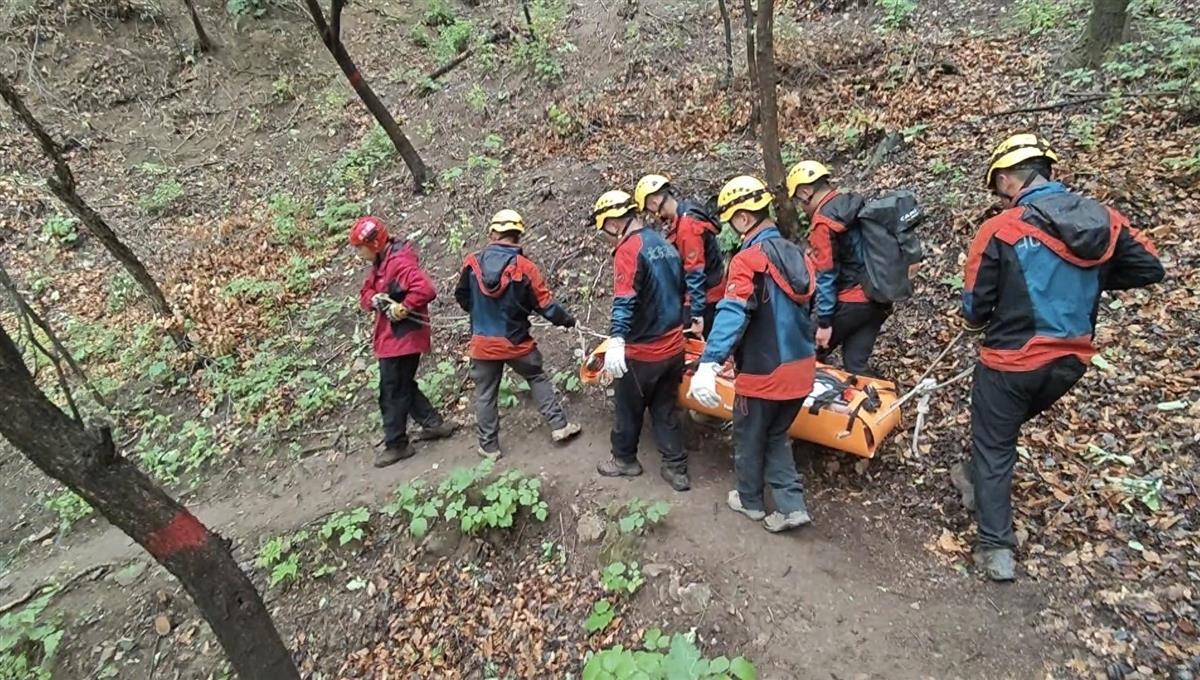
(614, 358)
(704, 385)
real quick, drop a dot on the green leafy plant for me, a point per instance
(664, 657)
(1083, 128)
(438, 13)
(601, 616)
(297, 274)
(728, 239)
(542, 56)
(281, 556)
(246, 8)
(282, 89)
(1146, 490)
(436, 384)
(509, 389)
(69, 507)
(561, 122)
(165, 196)
(622, 578)
(638, 516)
(477, 98)
(452, 40)
(413, 501)
(1038, 16)
(419, 36)
(336, 214)
(346, 526)
(939, 166)
(29, 640)
(356, 165)
(568, 380)
(60, 230)
(897, 14)
(502, 499)
(1188, 164)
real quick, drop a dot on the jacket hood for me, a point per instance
(788, 261)
(491, 263)
(1083, 225)
(403, 251)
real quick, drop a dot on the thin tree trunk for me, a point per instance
(725, 23)
(528, 21)
(1105, 29)
(203, 44)
(768, 109)
(331, 35)
(751, 61)
(30, 316)
(87, 463)
(62, 184)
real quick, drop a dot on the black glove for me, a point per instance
(568, 322)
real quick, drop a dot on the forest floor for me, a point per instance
(235, 175)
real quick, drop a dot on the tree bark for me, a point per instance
(331, 36)
(203, 44)
(1105, 29)
(728, 44)
(768, 109)
(62, 184)
(88, 464)
(751, 59)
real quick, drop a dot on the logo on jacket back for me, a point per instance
(1028, 243)
(658, 253)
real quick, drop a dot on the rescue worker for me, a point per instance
(500, 287)
(694, 235)
(398, 291)
(846, 318)
(1033, 278)
(763, 321)
(645, 346)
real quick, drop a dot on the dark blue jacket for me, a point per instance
(763, 320)
(648, 295)
(1034, 274)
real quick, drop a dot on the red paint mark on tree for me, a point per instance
(354, 77)
(183, 532)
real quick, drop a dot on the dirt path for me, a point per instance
(854, 596)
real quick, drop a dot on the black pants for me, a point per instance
(652, 385)
(400, 398)
(762, 453)
(855, 327)
(1001, 402)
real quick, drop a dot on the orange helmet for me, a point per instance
(369, 231)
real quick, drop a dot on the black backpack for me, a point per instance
(890, 244)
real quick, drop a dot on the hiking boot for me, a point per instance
(619, 468)
(568, 431)
(997, 563)
(735, 504)
(394, 454)
(442, 431)
(491, 453)
(678, 479)
(961, 480)
(777, 521)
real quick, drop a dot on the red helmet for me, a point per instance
(369, 231)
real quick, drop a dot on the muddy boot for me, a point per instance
(566, 432)
(678, 479)
(961, 479)
(393, 454)
(618, 468)
(735, 504)
(777, 521)
(446, 429)
(997, 563)
(493, 453)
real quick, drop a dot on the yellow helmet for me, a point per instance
(742, 193)
(612, 204)
(805, 172)
(507, 220)
(1018, 149)
(648, 185)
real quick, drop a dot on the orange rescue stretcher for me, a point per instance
(844, 412)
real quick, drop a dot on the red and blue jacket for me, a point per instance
(695, 237)
(837, 248)
(499, 287)
(1034, 274)
(764, 321)
(397, 273)
(648, 296)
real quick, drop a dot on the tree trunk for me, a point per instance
(88, 464)
(728, 44)
(751, 59)
(1105, 29)
(331, 36)
(768, 109)
(63, 186)
(203, 44)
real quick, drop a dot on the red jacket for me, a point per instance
(397, 272)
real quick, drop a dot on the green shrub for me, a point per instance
(167, 193)
(452, 40)
(463, 498)
(355, 166)
(438, 13)
(246, 8)
(1038, 16)
(897, 14)
(29, 640)
(663, 657)
(69, 507)
(60, 230)
(346, 526)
